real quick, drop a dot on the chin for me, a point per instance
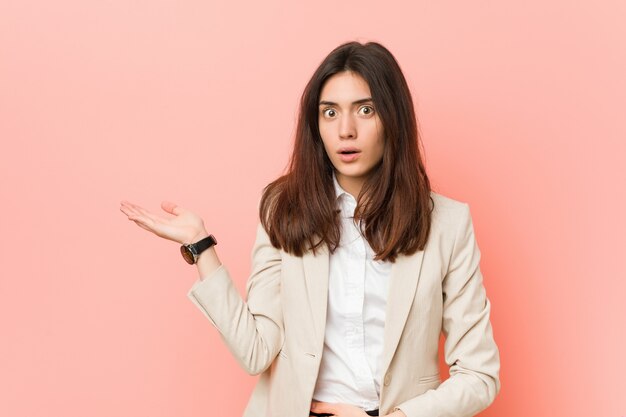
(353, 175)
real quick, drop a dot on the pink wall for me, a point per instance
(521, 106)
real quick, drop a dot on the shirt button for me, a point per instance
(387, 379)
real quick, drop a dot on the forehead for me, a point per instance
(346, 86)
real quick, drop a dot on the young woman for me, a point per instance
(357, 268)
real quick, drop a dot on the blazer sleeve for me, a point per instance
(253, 330)
(470, 349)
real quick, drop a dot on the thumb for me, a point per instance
(171, 208)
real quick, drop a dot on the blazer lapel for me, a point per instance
(316, 271)
(402, 287)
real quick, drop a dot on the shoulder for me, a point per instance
(446, 207)
(448, 214)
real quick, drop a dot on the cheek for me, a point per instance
(376, 140)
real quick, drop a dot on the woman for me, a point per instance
(357, 268)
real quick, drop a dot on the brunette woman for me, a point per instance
(358, 265)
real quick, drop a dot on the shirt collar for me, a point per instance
(338, 190)
(345, 201)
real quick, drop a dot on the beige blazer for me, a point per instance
(279, 331)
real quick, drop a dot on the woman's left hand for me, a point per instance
(337, 409)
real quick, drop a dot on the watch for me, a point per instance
(191, 251)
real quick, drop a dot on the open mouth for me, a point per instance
(349, 155)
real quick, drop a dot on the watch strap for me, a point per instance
(202, 245)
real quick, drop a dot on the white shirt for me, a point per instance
(350, 369)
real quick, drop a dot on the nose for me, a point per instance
(347, 127)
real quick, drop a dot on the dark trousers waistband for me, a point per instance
(369, 413)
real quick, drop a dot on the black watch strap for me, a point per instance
(202, 245)
(192, 251)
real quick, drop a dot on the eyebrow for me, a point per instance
(361, 101)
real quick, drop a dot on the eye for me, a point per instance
(366, 110)
(329, 112)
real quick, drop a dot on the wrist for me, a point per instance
(207, 263)
(199, 236)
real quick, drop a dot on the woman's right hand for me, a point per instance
(184, 227)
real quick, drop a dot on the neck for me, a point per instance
(350, 184)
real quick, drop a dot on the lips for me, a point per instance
(348, 151)
(349, 154)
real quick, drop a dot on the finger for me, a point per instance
(125, 207)
(148, 214)
(130, 209)
(143, 226)
(125, 210)
(142, 213)
(131, 213)
(129, 204)
(142, 221)
(135, 216)
(172, 208)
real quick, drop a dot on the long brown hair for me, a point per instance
(394, 203)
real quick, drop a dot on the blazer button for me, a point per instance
(387, 379)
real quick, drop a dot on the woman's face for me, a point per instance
(351, 129)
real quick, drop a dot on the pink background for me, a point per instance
(521, 106)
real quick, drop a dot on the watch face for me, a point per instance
(184, 250)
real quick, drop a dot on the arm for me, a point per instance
(253, 331)
(470, 350)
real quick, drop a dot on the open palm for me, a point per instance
(181, 225)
